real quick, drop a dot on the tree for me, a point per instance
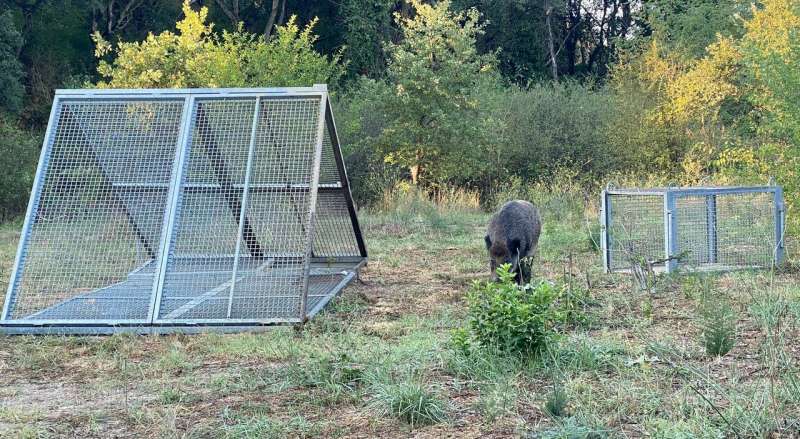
(433, 72)
(196, 57)
(690, 26)
(11, 72)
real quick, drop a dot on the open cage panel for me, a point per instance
(186, 207)
(693, 228)
(97, 218)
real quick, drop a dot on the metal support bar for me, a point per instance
(780, 225)
(711, 228)
(172, 211)
(605, 207)
(215, 158)
(245, 199)
(312, 203)
(670, 231)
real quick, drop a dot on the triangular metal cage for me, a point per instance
(184, 210)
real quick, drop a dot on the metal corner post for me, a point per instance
(312, 202)
(33, 207)
(670, 231)
(245, 200)
(711, 228)
(604, 241)
(173, 204)
(780, 224)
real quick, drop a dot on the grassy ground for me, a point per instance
(379, 360)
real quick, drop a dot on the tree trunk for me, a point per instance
(550, 45)
(232, 13)
(571, 41)
(416, 168)
(271, 21)
(282, 18)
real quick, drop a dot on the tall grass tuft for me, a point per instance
(410, 402)
(718, 322)
(408, 208)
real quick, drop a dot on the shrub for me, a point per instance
(511, 318)
(559, 125)
(360, 121)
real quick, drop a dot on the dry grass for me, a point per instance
(638, 369)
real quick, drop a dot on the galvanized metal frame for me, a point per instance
(671, 225)
(179, 171)
(172, 212)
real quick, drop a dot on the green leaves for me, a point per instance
(11, 73)
(514, 319)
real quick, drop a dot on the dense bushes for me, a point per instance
(528, 135)
(19, 151)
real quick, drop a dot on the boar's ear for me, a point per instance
(513, 246)
(488, 241)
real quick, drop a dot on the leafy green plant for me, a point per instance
(512, 318)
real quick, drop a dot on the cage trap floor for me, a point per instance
(197, 290)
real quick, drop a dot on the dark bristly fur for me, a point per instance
(512, 235)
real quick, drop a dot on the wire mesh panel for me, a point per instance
(694, 228)
(94, 226)
(635, 229)
(335, 233)
(184, 207)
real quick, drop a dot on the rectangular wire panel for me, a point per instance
(94, 228)
(200, 282)
(695, 245)
(280, 206)
(635, 230)
(710, 228)
(746, 235)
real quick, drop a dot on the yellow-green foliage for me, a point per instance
(731, 116)
(772, 52)
(197, 57)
